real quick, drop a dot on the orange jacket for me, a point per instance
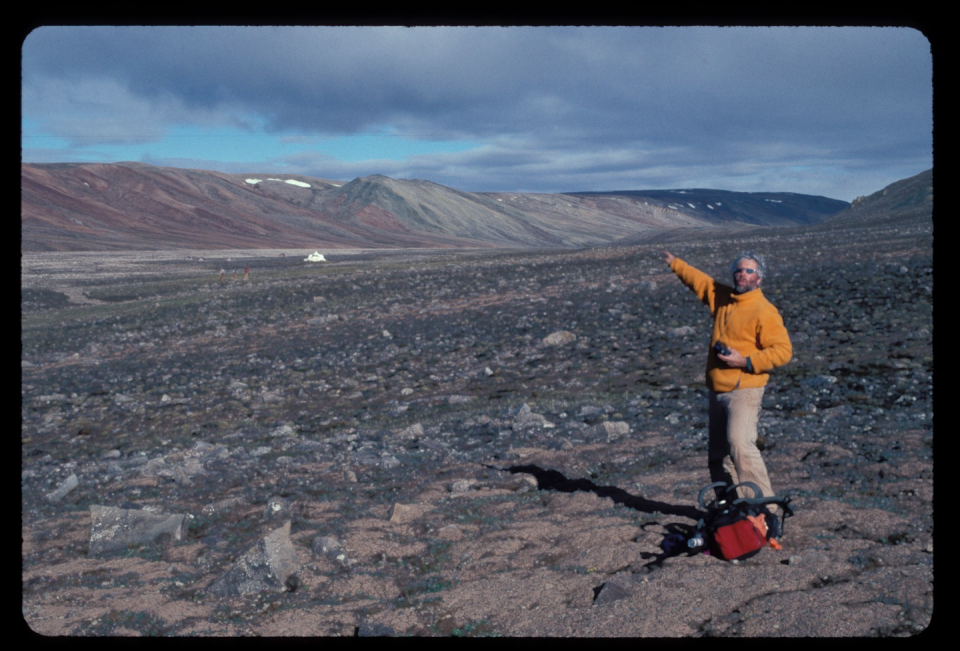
(748, 323)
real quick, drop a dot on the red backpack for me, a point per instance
(735, 528)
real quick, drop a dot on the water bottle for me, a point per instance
(696, 540)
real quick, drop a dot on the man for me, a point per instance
(754, 341)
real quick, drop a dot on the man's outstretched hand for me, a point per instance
(668, 257)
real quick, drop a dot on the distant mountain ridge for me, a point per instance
(758, 208)
(134, 206)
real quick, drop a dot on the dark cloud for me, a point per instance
(587, 106)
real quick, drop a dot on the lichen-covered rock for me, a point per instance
(559, 338)
(115, 528)
(611, 430)
(270, 565)
(63, 489)
(401, 513)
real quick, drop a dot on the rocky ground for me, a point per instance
(409, 444)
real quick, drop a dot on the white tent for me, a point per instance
(315, 257)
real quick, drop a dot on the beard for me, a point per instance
(748, 286)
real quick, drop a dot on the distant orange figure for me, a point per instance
(223, 274)
(246, 273)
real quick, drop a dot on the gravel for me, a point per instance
(471, 444)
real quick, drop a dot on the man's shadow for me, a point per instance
(674, 542)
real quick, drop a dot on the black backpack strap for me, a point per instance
(782, 502)
(703, 492)
(757, 493)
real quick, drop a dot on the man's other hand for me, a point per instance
(734, 359)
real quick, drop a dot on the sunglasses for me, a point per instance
(749, 271)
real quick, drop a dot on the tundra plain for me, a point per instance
(430, 462)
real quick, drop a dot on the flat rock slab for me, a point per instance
(115, 528)
(403, 513)
(270, 565)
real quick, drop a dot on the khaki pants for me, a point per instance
(733, 453)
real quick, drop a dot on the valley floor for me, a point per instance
(391, 432)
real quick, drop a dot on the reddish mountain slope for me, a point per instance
(132, 206)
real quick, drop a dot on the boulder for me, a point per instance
(611, 429)
(559, 338)
(270, 565)
(620, 586)
(71, 483)
(415, 431)
(116, 528)
(403, 513)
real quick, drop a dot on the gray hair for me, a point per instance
(750, 255)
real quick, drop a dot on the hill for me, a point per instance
(722, 206)
(908, 200)
(132, 206)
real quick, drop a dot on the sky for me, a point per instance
(839, 112)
